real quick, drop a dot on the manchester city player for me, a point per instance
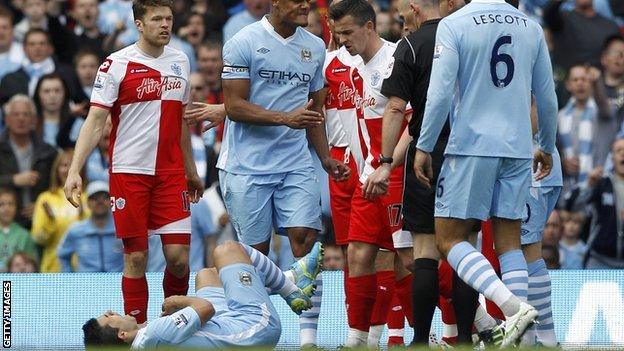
(273, 94)
(232, 307)
(494, 56)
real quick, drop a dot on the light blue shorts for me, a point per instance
(540, 203)
(257, 204)
(243, 308)
(482, 187)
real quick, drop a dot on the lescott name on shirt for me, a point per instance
(151, 85)
(500, 19)
(284, 77)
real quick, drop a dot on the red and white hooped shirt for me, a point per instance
(146, 97)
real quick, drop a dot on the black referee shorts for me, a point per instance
(418, 201)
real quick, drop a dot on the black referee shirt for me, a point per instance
(409, 80)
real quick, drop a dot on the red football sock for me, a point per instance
(360, 301)
(449, 331)
(135, 295)
(173, 285)
(383, 301)
(396, 323)
(404, 292)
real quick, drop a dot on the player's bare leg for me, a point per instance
(176, 275)
(133, 282)
(466, 261)
(385, 277)
(301, 241)
(207, 277)
(425, 288)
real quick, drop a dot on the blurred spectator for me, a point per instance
(53, 214)
(210, 63)
(11, 51)
(35, 16)
(203, 237)
(52, 102)
(212, 11)
(314, 23)
(25, 159)
(578, 35)
(551, 256)
(571, 249)
(552, 230)
(116, 18)
(604, 197)
(611, 82)
(384, 26)
(86, 64)
(333, 260)
(254, 10)
(39, 62)
(93, 240)
(577, 127)
(97, 163)
(87, 35)
(13, 237)
(22, 262)
(194, 30)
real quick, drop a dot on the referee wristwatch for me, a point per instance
(383, 159)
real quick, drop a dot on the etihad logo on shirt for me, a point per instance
(151, 85)
(284, 77)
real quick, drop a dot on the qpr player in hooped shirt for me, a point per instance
(144, 87)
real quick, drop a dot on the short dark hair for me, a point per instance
(514, 3)
(95, 334)
(610, 40)
(139, 7)
(360, 10)
(6, 13)
(33, 31)
(8, 191)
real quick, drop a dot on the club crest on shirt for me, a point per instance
(180, 321)
(306, 55)
(176, 69)
(375, 78)
(244, 278)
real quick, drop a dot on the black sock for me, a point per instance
(425, 295)
(465, 300)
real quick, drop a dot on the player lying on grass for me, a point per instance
(232, 307)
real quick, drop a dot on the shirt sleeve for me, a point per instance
(318, 82)
(236, 59)
(187, 90)
(441, 86)
(401, 81)
(176, 328)
(543, 86)
(105, 87)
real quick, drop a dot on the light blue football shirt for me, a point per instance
(282, 73)
(497, 56)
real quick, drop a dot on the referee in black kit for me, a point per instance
(409, 81)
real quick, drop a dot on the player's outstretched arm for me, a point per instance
(203, 307)
(239, 109)
(194, 183)
(89, 137)
(318, 138)
(543, 87)
(202, 112)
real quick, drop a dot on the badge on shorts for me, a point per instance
(120, 203)
(180, 321)
(244, 278)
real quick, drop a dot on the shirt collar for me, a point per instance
(269, 28)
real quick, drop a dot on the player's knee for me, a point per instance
(136, 261)
(206, 277)
(226, 248)
(444, 246)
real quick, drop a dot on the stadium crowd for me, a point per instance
(50, 52)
